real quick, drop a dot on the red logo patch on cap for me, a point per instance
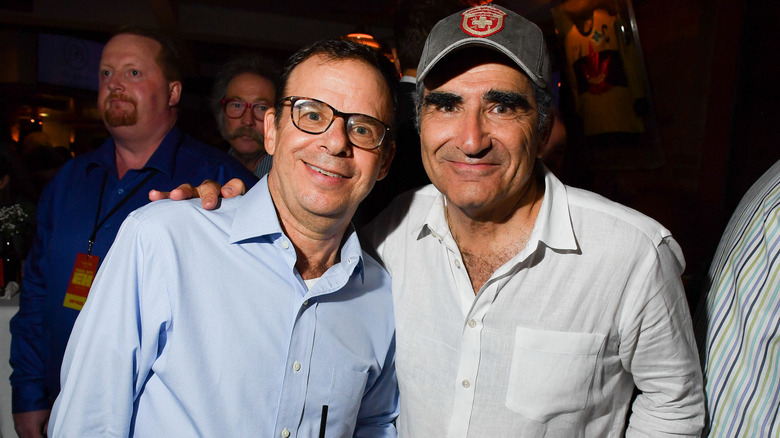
(482, 21)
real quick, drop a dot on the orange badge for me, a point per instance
(81, 280)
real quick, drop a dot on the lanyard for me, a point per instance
(124, 200)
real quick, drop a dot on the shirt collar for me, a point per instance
(552, 227)
(163, 159)
(256, 217)
(553, 224)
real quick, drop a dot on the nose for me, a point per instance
(473, 135)
(114, 83)
(335, 139)
(248, 118)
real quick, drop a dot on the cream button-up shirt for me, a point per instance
(556, 340)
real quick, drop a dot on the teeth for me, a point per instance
(324, 172)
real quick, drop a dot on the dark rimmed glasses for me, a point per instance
(315, 117)
(235, 108)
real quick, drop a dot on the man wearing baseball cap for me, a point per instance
(525, 307)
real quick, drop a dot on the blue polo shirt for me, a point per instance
(67, 215)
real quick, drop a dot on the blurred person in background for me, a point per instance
(244, 89)
(81, 209)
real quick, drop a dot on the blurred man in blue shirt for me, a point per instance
(273, 321)
(80, 211)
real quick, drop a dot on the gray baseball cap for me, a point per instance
(493, 27)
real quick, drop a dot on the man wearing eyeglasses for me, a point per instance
(264, 317)
(244, 89)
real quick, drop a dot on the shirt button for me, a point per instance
(465, 383)
(297, 366)
(285, 244)
(285, 433)
(306, 303)
(472, 323)
(457, 263)
(120, 191)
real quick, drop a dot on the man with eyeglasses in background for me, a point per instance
(273, 321)
(244, 89)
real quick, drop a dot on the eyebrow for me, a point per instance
(508, 98)
(442, 98)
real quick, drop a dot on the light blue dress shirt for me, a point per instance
(198, 324)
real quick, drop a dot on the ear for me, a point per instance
(269, 130)
(174, 93)
(387, 158)
(544, 137)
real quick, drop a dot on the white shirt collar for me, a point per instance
(552, 227)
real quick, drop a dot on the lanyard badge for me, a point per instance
(86, 265)
(81, 280)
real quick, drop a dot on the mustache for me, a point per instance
(245, 131)
(119, 97)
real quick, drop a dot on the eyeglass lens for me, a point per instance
(316, 117)
(236, 108)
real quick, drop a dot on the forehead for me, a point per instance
(250, 86)
(129, 48)
(349, 85)
(477, 70)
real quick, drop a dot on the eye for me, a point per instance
(312, 116)
(362, 130)
(105, 73)
(236, 104)
(442, 102)
(504, 110)
(260, 107)
(135, 73)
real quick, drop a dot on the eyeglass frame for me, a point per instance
(246, 105)
(336, 113)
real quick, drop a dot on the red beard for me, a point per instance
(115, 116)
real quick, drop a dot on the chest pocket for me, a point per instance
(551, 372)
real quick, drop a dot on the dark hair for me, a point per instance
(413, 21)
(250, 63)
(339, 50)
(168, 59)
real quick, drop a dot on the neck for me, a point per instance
(317, 239)
(250, 161)
(487, 243)
(133, 149)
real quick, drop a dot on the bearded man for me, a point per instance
(80, 211)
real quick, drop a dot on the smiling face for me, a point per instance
(133, 94)
(245, 134)
(479, 134)
(322, 175)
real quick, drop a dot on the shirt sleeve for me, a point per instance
(109, 356)
(28, 344)
(658, 349)
(379, 407)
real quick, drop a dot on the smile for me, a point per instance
(324, 172)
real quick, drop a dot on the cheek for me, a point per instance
(230, 124)
(431, 135)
